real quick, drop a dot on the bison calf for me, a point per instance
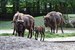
(39, 30)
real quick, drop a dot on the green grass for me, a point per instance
(39, 21)
(5, 34)
(52, 35)
(47, 35)
(6, 25)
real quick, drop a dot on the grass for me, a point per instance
(5, 34)
(47, 35)
(39, 21)
(59, 35)
(5, 25)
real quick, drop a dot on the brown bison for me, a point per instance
(39, 30)
(28, 22)
(53, 20)
(19, 28)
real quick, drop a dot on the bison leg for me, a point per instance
(61, 28)
(22, 34)
(18, 33)
(36, 36)
(51, 29)
(30, 33)
(14, 31)
(41, 36)
(56, 29)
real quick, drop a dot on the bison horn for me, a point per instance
(20, 20)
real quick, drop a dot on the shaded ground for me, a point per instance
(20, 43)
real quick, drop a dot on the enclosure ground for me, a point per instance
(22, 43)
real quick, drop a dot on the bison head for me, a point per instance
(46, 21)
(20, 26)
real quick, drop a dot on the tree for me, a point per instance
(16, 5)
(3, 6)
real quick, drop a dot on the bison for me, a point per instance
(39, 30)
(28, 22)
(19, 28)
(53, 20)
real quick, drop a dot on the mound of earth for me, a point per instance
(22, 43)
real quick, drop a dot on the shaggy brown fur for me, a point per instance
(39, 30)
(19, 28)
(54, 19)
(28, 22)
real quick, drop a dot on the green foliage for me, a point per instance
(67, 25)
(9, 10)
